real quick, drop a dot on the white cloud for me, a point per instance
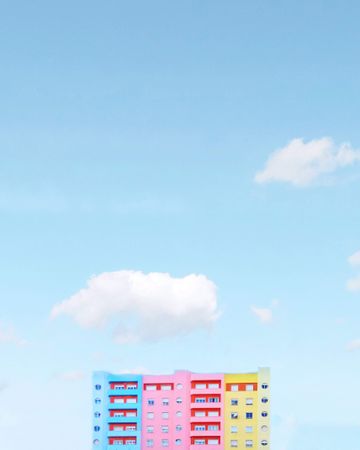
(353, 345)
(265, 315)
(353, 284)
(143, 306)
(354, 259)
(302, 163)
(8, 335)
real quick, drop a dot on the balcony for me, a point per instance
(194, 419)
(127, 392)
(118, 433)
(123, 420)
(207, 405)
(123, 405)
(216, 433)
(207, 447)
(194, 391)
(124, 447)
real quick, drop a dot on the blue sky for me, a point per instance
(131, 136)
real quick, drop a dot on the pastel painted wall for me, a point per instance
(184, 411)
(117, 409)
(246, 425)
(166, 410)
(209, 414)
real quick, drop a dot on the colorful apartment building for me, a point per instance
(182, 411)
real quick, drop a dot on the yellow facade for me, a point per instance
(247, 400)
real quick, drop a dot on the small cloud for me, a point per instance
(143, 307)
(353, 345)
(353, 284)
(75, 375)
(8, 335)
(354, 259)
(265, 315)
(303, 163)
(3, 386)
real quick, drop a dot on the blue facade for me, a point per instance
(103, 437)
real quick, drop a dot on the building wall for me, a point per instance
(184, 411)
(117, 411)
(244, 408)
(166, 411)
(209, 387)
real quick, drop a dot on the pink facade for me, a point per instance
(207, 411)
(166, 406)
(182, 410)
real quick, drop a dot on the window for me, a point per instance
(214, 386)
(234, 387)
(178, 428)
(234, 415)
(249, 401)
(151, 402)
(96, 442)
(97, 414)
(164, 428)
(119, 400)
(177, 441)
(178, 413)
(130, 442)
(199, 441)
(200, 428)
(150, 429)
(213, 400)
(179, 400)
(200, 386)
(132, 386)
(98, 387)
(166, 387)
(213, 427)
(97, 428)
(249, 387)
(165, 402)
(131, 400)
(200, 414)
(165, 442)
(249, 429)
(150, 415)
(150, 387)
(234, 402)
(200, 400)
(264, 442)
(213, 441)
(233, 443)
(97, 401)
(179, 386)
(213, 413)
(264, 400)
(264, 428)
(264, 414)
(165, 415)
(249, 444)
(264, 386)
(131, 414)
(150, 443)
(249, 415)
(234, 429)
